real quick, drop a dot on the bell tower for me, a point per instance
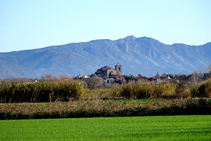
(118, 67)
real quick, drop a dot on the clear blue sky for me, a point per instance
(29, 24)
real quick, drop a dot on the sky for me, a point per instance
(30, 24)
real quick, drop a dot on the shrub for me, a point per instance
(41, 92)
(127, 91)
(142, 90)
(147, 90)
(166, 90)
(76, 90)
(194, 91)
(185, 93)
(203, 90)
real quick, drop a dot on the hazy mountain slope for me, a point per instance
(137, 55)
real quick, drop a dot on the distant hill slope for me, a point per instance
(143, 55)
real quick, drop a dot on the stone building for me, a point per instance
(108, 71)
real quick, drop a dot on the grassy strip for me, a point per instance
(186, 107)
(87, 105)
(195, 127)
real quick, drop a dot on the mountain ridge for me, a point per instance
(143, 55)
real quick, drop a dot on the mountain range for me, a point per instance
(144, 55)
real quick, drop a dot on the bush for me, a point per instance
(41, 92)
(185, 93)
(143, 90)
(127, 91)
(147, 90)
(140, 90)
(76, 90)
(203, 90)
(194, 91)
(166, 90)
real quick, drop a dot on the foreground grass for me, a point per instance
(195, 127)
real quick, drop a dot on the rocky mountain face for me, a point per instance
(143, 55)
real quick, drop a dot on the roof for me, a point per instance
(106, 68)
(118, 63)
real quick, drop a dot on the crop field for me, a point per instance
(192, 127)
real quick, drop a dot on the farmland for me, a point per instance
(190, 127)
(70, 111)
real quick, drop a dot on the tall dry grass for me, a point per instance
(41, 92)
(147, 90)
(73, 90)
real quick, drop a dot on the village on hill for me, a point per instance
(107, 77)
(114, 76)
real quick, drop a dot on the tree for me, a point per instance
(48, 78)
(94, 82)
(195, 78)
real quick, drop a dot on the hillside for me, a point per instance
(143, 55)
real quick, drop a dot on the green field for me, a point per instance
(193, 127)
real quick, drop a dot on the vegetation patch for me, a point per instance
(41, 92)
(201, 90)
(112, 108)
(192, 127)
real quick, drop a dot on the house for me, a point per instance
(109, 80)
(108, 71)
(118, 78)
(132, 75)
(86, 76)
(157, 80)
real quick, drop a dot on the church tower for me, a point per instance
(118, 67)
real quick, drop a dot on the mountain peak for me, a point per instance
(130, 38)
(142, 55)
